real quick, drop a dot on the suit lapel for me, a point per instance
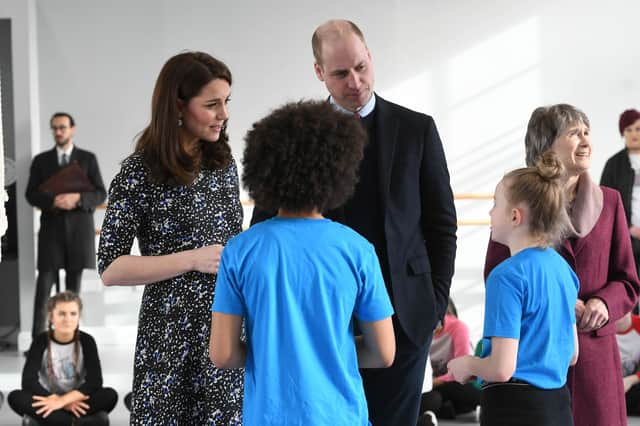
(386, 137)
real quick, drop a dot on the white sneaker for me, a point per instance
(428, 418)
(477, 414)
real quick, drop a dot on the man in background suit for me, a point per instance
(403, 204)
(67, 233)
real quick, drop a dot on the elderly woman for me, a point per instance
(598, 248)
(620, 173)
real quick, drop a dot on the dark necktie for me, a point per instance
(65, 160)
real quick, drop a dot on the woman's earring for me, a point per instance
(179, 122)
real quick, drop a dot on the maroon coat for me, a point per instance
(604, 263)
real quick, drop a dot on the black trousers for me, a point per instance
(633, 400)
(508, 404)
(449, 399)
(393, 394)
(45, 280)
(20, 401)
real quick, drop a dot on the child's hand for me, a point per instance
(78, 408)
(459, 368)
(47, 404)
(207, 259)
(579, 310)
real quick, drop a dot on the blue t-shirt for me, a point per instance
(298, 283)
(531, 297)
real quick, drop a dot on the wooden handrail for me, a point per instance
(459, 196)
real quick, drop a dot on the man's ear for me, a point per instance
(319, 72)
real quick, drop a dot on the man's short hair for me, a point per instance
(332, 28)
(72, 123)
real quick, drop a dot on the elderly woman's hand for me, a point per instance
(594, 315)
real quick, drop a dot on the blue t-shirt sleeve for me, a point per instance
(228, 297)
(373, 302)
(503, 306)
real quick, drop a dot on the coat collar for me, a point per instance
(586, 208)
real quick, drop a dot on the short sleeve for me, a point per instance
(124, 211)
(503, 306)
(373, 302)
(228, 297)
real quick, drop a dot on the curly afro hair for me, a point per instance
(304, 155)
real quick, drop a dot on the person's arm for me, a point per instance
(35, 197)
(226, 350)
(439, 222)
(576, 346)
(499, 366)
(620, 293)
(136, 270)
(460, 344)
(630, 381)
(32, 365)
(45, 405)
(93, 370)
(376, 347)
(125, 215)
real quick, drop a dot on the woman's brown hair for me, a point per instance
(540, 189)
(65, 296)
(182, 77)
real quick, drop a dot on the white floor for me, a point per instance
(110, 315)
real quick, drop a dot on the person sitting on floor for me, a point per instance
(449, 398)
(628, 336)
(62, 377)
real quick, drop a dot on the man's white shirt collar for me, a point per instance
(67, 151)
(362, 112)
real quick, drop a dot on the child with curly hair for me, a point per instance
(298, 280)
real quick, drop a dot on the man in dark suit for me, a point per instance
(403, 205)
(67, 233)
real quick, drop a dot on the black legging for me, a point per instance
(633, 400)
(449, 399)
(20, 401)
(43, 291)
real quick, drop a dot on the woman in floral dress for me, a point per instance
(178, 195)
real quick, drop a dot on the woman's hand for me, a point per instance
(459, 368)
(78, 408)
(47, 404)
(594, 315)
(207, 259)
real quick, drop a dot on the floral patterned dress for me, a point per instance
(174, 382)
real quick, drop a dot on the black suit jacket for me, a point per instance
(66, 238)
(419, 216)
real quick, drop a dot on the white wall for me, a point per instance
(478, 67)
